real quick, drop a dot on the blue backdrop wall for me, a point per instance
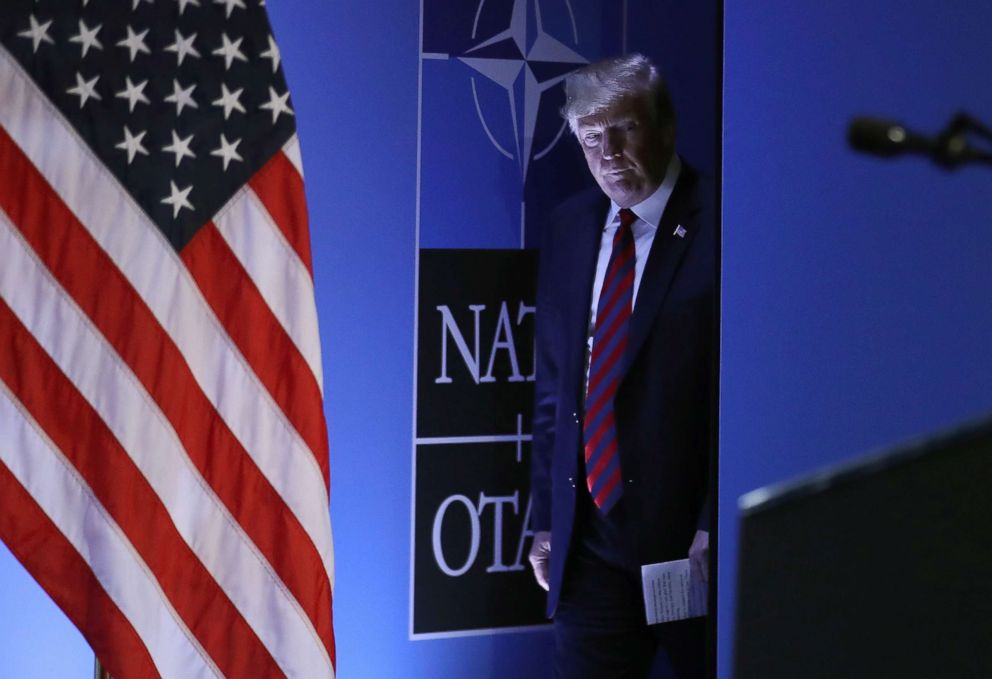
(857, 293)
(359, 80)
(388, 103)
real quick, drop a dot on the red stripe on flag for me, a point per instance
(56, 565)
(264, 343)
(280, 188)
(82, 436)
(104, 294)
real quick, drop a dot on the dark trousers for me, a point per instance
(600, 631)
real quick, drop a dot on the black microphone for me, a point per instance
(886, 138)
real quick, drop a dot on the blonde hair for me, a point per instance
(596, 87)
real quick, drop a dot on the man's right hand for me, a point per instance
(540, 557)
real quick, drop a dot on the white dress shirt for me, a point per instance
(648, 214)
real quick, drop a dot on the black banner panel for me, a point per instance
(475, 381)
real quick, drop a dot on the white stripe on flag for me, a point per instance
(159, 276)
(292, 151)
(116, 394)
(283, 280)
(201, 519)
(69, 503)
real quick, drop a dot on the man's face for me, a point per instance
(626, 150)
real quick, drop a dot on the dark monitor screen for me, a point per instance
(881, 568)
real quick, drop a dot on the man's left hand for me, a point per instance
(540, 557)
(699, 554)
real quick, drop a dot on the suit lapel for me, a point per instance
(666, 252)
(583, 251)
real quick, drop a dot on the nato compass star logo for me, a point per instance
(526, 62)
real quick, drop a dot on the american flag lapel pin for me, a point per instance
(679, 231)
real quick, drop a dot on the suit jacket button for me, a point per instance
(571, 481)
(575, 416)
(630, 482)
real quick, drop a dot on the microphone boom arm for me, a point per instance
(950, 148)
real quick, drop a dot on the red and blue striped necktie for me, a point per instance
(609, 341)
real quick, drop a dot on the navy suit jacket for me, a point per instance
(666, 398)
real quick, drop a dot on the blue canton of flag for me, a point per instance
(164, 93)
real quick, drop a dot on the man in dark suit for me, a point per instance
(625, 380)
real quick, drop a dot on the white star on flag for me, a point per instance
(85, 89)
(183, 47)
(277, 104)
(183, 3)
(133, 93)
(230, 5)
(38, 33)
(229, 100)
(230, 50)
(132, 144)
(181, 97)
(272, 54)
(227, 151)
(180, 147)
(135, 42)
(178, 199)
(87, 37)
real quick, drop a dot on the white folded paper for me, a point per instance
(672, 592)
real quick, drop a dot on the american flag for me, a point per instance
(163, 450)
